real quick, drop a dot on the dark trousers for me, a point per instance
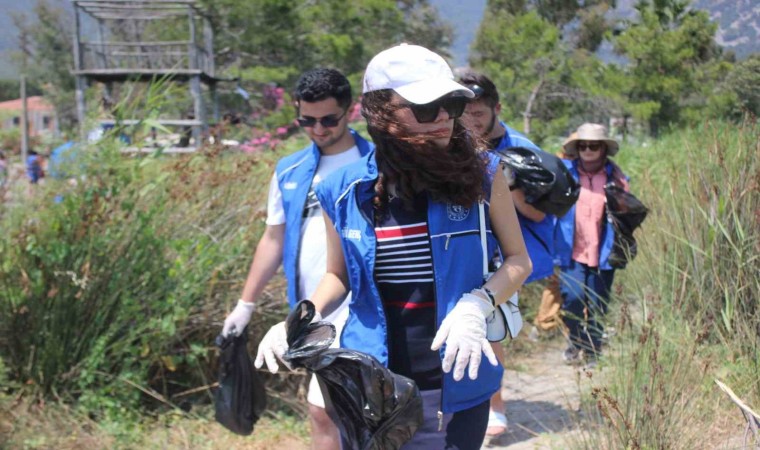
(464, 430)
(585, 290)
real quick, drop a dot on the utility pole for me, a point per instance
(24, 126)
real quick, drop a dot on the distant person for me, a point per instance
(584, 242)
(295, 231)
(482, 117)
(3, 170)
(34, 171)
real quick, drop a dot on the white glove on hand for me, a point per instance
(464, 332)
(274, 345)
(235, 323)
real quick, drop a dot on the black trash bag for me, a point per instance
(240, 398)
(374, 408)
(626, 213)
(546, 181)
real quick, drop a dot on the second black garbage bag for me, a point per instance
(240, 399)
(626, 212)
(373, 407)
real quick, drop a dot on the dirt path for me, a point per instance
(542, 400)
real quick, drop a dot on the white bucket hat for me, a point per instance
(590, 132)
(414, 72)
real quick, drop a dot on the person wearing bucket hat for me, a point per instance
(584, 240)
(591, 134)
(404, 232)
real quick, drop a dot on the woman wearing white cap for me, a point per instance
(405, 239)
(584, 241)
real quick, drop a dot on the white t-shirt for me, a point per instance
(312, 258)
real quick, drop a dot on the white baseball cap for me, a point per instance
(414, 72)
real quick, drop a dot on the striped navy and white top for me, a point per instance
(404, 276)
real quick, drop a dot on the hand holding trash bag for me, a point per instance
(238, 319)
(464, 332)
(374, 408)
(626, 212)
(274, 345)
(546, 181)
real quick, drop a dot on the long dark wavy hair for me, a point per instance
(415, 164)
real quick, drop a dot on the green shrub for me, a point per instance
(114, 294)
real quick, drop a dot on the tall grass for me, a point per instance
(690, 309)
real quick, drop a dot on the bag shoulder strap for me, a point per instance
(483, 236)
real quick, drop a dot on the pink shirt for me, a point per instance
(589, 214)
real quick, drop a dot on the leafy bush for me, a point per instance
(114, 294)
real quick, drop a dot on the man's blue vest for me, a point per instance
(294, 176)
(346, 197)
(565, 229)
(538, 236)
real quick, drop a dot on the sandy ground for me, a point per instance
(542, 400)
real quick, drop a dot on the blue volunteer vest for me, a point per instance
(456, 251)
(294, 176)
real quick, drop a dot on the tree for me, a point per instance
(542, 79)
(289, 37)
(673, 62)
(520, 54)
(9, 89)
(46, 57)
(739, 92)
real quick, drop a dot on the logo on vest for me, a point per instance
(349, 233)
(456, 212)
(290, 185)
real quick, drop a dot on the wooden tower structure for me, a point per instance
(116, 41)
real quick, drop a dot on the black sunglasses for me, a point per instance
(454, 107)
(477, 90)
(329, 121)
(593, 146)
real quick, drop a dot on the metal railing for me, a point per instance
(158, 56)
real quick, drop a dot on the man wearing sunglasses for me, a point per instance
(295, 231)
(482, 117)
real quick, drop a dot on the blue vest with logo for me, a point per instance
(538, 236)
(294, 176)
(565, 229)
(346, 197)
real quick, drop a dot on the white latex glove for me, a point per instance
(274, 345)
(236, 321)
(464, 332)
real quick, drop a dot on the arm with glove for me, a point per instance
(265, 263)
(464, 328)
(330, 292)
